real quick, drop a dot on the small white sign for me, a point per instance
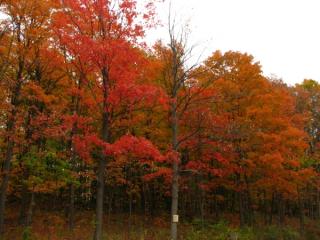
(175, 218)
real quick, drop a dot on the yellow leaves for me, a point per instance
(46, 186)
(36, 93)
(295, 139)
(272, 161)
(265, 130)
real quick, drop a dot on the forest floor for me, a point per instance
(53, 226)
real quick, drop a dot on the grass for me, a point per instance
(52, 226)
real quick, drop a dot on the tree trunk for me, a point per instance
(249, 209)
(280, 210)
(271, 208)
(71, 207)
(175, 171)
(11, 125)
(76, 110)
(265, 207)
(241, 203)
(23, 208)
(30, 209)
(318, 204)
(100, 197)
(130, 216)
(103, 160)
(202, 206)
(301, 212)
(174, 203)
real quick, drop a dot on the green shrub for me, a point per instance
(310, 235)
(246, 234)
(26, 234)
(290, 234)
(222, 231)
(276, 233)
(271, 233)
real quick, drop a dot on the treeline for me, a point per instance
(91, 120)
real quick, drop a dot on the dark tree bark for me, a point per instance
(30, 209)
(103, 159)
(175, 168)
(73, 157)
(11, 125)
(301, 212)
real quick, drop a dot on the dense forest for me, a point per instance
(105, 137)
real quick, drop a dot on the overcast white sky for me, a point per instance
(284, 35)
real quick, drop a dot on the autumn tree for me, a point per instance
(24, 31)
(106, 33)
(307, 104)
(185, 93)
(91, 117)
(262, 124)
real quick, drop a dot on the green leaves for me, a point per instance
(46, 172)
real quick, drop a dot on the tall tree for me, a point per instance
(106, 34)
(262, 123)
(25, 28)
(183, 93)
